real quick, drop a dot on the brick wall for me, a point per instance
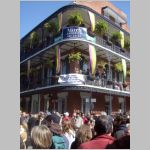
(74, 101)
(100, 101)
(115, 103)
(98, 5)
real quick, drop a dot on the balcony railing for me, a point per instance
(113, 47)
(88, 80)
(100, 41)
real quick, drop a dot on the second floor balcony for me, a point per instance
(74, 80)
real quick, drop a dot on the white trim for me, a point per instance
(103, 89)
(77, 39)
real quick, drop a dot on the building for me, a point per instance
(75, 60)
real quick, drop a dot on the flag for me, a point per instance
(124, 67)
(57, 60)
(122, 39)
(92, 19)
(59, 21)
(92, 55)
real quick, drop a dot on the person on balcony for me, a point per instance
(97, 74)
(104, 78)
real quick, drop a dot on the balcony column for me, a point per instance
(121, 101)
(109, 73)
(62, 102)
(108, 99)
(109, 57)
(85, 101)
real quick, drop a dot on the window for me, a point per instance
(112, 19)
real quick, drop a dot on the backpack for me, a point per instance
(58, 142)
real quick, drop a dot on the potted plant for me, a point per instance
(127, 44)
(34, 39)
(101, 28)
(116, 38)
(101, 64)
(26, 45)
(118, 67)
(74, 59)
(50, 27)
(75, 20)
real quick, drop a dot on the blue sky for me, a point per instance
(33, 12)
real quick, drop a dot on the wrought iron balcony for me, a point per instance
(80, 79)
(60, 37)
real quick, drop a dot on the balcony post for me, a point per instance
(109, 57)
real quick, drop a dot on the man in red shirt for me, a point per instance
(103, 128)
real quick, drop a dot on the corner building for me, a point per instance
(52, 78)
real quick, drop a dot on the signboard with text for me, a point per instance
(71, 79)
(74, 32)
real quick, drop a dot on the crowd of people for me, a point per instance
(76, 131)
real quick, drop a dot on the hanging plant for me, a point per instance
(101, 64)
(26, 45)
(101, 28)
(119, 67)
(75, 56)
(116, 38)
(34, 39)
(75, 19)
(50, 27)
(127, 44)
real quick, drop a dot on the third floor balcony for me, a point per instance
(49, 32)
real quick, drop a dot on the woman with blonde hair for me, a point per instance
(83, 134)
(68, 131)
(23, 136)
(24, 133)
(41, 137)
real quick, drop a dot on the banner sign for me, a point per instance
(71, 79)
(74, 32)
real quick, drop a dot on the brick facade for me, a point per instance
(98, 5)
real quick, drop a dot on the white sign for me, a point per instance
(71, 79)
(93, 100)
(87, 100)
